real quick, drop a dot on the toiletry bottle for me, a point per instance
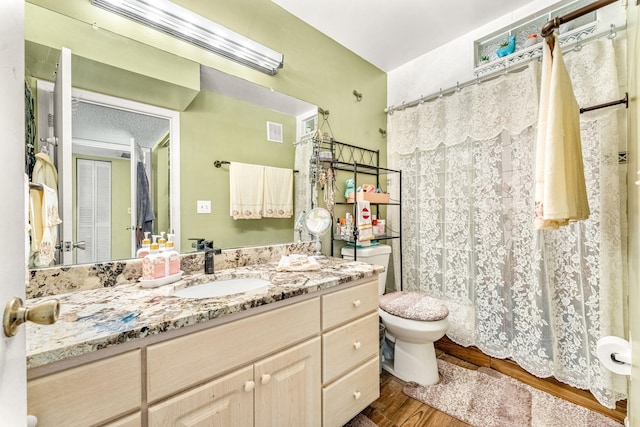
(144, 250)
(172, 257)
(153, 265)
(162, 242)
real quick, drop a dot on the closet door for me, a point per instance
(94, 210)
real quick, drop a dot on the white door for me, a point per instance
(62, 132)
(134, 200)
(13, 373)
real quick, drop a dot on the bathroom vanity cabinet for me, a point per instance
(308, 363)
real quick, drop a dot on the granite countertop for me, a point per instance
(91, 320)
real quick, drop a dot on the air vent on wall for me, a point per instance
(274, 132)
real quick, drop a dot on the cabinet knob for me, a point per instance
(357, 303)
(265, 378)
(357, 345)
(249, 386)
(356, 395)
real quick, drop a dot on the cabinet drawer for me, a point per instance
(346, 397)
(348, 345)
(227, 401)
(175, 365)
(88, 394)
(343, 306)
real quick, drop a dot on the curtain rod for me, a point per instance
(496, 73)
(552, 24)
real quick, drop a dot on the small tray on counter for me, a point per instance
(154, 283)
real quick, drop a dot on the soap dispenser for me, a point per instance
(145, 249)
(172, 257)
(162, 242)
(154, 264)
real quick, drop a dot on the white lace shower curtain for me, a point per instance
(542, 298)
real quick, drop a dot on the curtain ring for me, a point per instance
(612, 33)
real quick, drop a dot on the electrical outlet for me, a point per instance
(203, 206)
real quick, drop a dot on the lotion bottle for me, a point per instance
(145, 249)
(162, 242)
(154, 264)
(172, 257)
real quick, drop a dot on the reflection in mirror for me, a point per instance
(106, 141)
(222, 117)
(318, 221)
(114, 140)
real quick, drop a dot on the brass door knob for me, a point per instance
(44, 313)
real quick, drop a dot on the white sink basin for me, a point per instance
(219, 288)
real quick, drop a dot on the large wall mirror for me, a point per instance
(123, 117)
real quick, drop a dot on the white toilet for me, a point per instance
(412, 320)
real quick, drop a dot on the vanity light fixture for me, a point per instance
(176, 21)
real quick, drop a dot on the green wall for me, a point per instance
(229, 130)
(316, 70)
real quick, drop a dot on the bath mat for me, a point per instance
(487, 398)
(360, 421)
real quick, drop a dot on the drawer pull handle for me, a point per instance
(265, 378)
(249, 386)
(357, 395)
(357, 345)
(357, 303)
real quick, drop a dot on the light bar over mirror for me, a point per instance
(185, 25)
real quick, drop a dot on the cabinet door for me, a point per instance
(77, 396)
(225, 402)
(288, 387)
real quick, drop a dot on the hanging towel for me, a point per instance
(560, 191)
(144, 208)
(365, 229)
(278, 192)
(43, 208)
(44, 171)
(246, 185)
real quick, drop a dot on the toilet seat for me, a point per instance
(413, 306)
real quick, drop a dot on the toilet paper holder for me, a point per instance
(621, 358)
(615, 354)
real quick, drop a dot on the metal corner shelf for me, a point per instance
(362, 161)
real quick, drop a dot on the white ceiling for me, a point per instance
(390, 33)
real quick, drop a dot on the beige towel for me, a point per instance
(44, 171)
(43, 206)
(246, 185)
(365, 229)
(560, 191)
(278, 192)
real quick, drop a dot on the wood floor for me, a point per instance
(395, 409)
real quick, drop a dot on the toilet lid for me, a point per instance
(413, 305)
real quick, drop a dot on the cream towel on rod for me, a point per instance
(278, 192)
(246, 189)
(560, 191)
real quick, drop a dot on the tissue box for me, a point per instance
(371, 197)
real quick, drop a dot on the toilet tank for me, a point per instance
(378, 255)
